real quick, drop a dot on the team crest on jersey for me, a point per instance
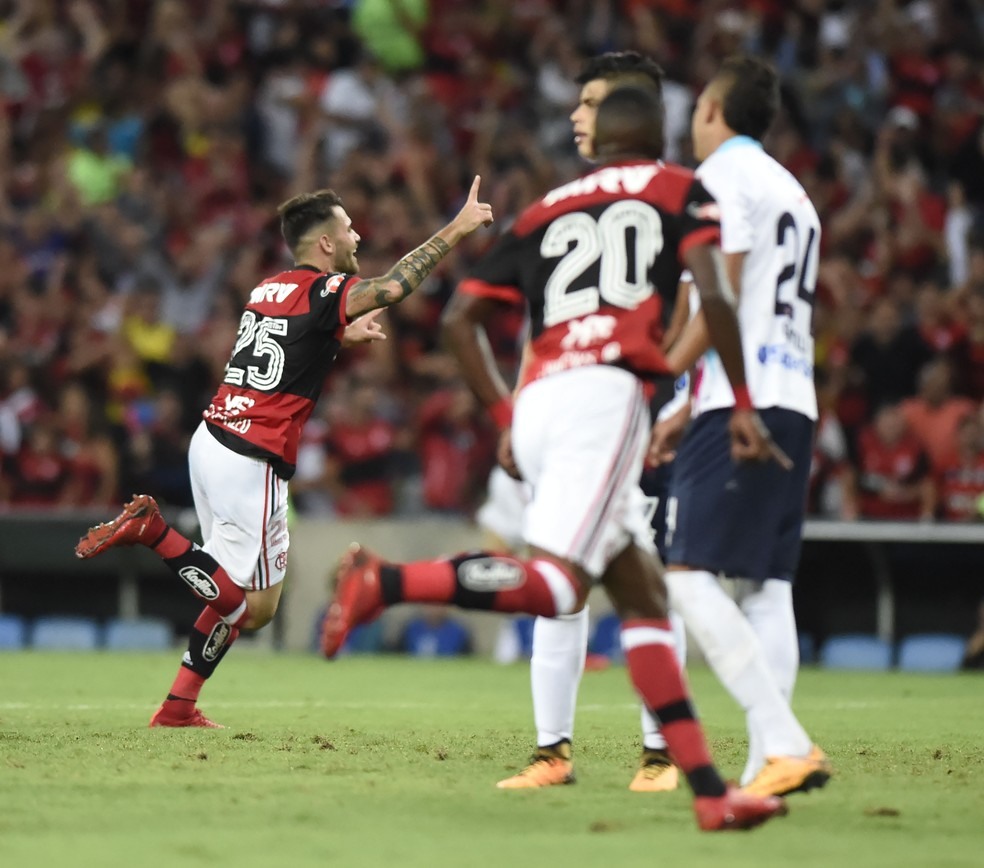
(332, 284)
(491, 574)
(281, 562)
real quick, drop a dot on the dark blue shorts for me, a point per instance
(655, 485)
(743, 520)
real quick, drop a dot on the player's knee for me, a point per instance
(261, 606)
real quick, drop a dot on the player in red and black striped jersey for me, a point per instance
(244, 451)
(585, 259)
(598, 262)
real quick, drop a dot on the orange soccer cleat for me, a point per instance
(736, 810)
(357, 598)
(656, 774)
(140, 523)
(549, 767)
(782, 775)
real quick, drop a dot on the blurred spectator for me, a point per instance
(87, 444)
(434, 633)
(361, 449)
(95, 171)
(892, 479)
(392, 30)
(968, 354)
(961, 478)
(830, 458)
(147, 144)
(457, 449)
(39, 474)
(157, 458)
(888, 355)
(934, 414)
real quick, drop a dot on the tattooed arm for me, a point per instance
(404, 277)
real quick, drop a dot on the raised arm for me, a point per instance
(404, 277)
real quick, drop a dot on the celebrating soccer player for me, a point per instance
(244, 451)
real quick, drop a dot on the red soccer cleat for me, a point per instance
(358, 598)
(166, 717)
(736, 809)
(140, 523)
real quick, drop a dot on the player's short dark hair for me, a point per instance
(630, 122)
(624, 67)
(751, 97)
(303, 212)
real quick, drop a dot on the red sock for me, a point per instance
(655, 672)
(480, 580)
(171, 544)
(187, 685)
(210, 639)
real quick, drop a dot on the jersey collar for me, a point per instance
(305, 267)
(736, 142)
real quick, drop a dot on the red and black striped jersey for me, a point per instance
(598, 261)
(288, 338)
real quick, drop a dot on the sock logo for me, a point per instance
(200, 582)
(490, 574)
(216, 641)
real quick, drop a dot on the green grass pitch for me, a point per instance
(392, 761)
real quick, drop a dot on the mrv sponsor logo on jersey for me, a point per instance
(273, 291)
(777, 354)
(491, 574)
(622, 179)
(200, 582)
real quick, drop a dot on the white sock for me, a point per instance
(652, 738)
(768, 606)
(733, 651)
(559, 648)
(769, 609)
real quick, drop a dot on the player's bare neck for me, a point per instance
(606, 156)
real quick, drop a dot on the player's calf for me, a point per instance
(365, 585)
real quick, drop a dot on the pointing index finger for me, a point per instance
(473, 192)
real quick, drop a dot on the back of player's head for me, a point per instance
(302, 213)
(623, 67)
(749, 94)
(629, 123)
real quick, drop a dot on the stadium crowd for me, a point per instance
(145, 145)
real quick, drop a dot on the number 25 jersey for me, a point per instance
(597, 261)
(288, 338)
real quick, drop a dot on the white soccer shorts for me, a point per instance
(580, 439)
(242, 509)
(502, 511)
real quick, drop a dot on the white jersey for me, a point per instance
(766, 214)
